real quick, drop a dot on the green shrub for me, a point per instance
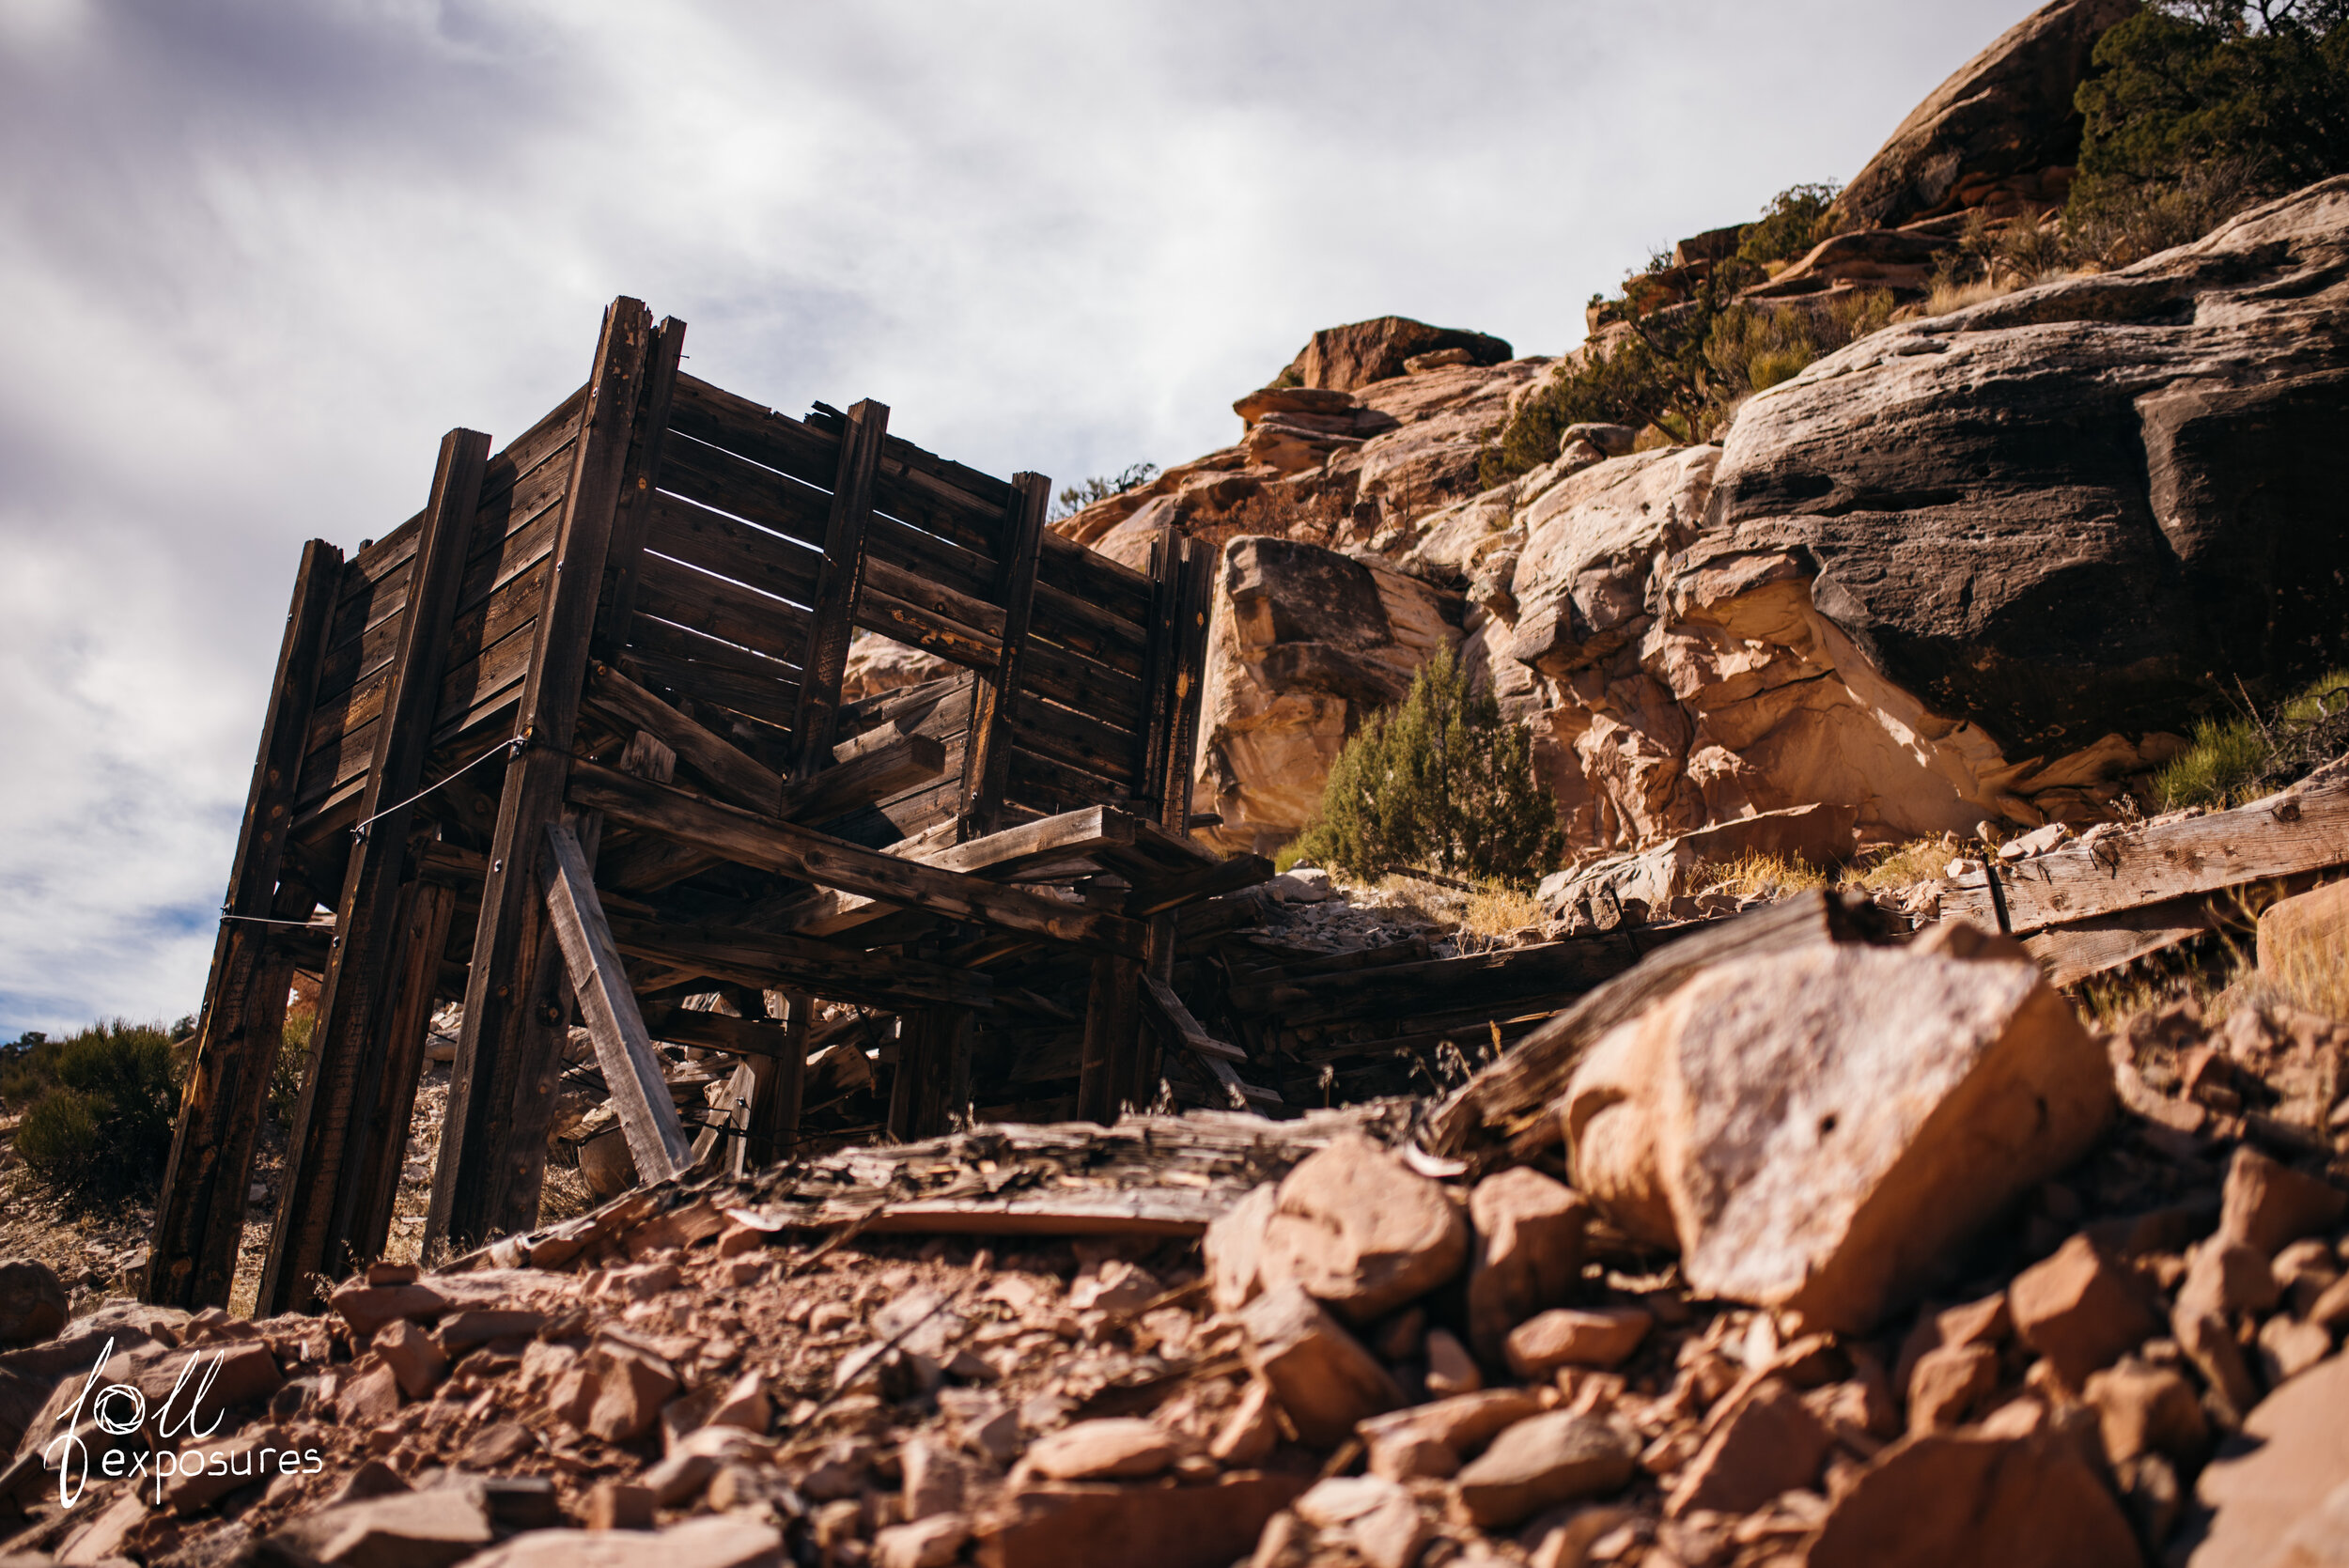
(2200, 108)
(1795, 220)
(1444, 780)
(2228, 761)
(1076, 498)
(97, 1109)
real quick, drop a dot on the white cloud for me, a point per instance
(261, 255)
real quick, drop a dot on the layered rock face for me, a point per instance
(2055, 516)
(1999, 133)
(1981, 566)
(1304, 643)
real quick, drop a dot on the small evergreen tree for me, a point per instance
(1441, 781)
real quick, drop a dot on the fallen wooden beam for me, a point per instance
(824, 969)
(2305, 828)
(1212, 1053)
(631, 1067)
(1506, 1095)
(683, 1026)
(794, 851)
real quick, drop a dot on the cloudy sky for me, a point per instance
(261, 255)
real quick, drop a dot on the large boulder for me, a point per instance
(1999, 133)
(1357, 354)
(1304, 644)
(1820, 1130)
(2056, 517)
(2271, 1484)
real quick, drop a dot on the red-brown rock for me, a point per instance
(2081, 1309)
(1323, 1378)
(1116, 1449)
(2296, 1454)
(1362, 1232)
(1528, 1252)
(2268, 1205)
(1541, 1462)
(1948, 1384)
(1574, 1337)
(1154, 1525)
(1968, 1499)
(1770, 1443)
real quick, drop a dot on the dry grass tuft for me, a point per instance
(1757, 876)
(1496, 910)
(1901, 865)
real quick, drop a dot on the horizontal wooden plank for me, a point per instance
(1084, 627)
(687, 1026)
(933, 707)
(524, 461)
(787, 850)
(2305, 828)
(1059, 676)
(1562, 968)
(344, 726)
(1043, 784)
(712, 415)
(928, 557)
(1079, 741)
(732, 547)
(971, 617)
(937, 508)
(2071, 954)
(1093, 577)
(763, 698)
(907, 622)
(346, 663)
(719, 480)
(825, 969)
(722, 608)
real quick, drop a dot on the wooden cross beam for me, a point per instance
(788, 850)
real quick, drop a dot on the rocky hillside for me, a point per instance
(1981, 566)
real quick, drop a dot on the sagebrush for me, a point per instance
(96, 1107)
(1441, 781)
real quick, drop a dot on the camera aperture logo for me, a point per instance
(120, 1410)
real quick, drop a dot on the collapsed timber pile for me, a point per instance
(1973, 1287)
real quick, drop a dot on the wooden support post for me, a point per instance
(631, 1067)
(1192, 606)
(838, 580)
(1160, 649)
(429, 908)
(502, 1088)
(933, 1044)
(995, 694)
(780, 1091)
(1112, 1021)
(634, 519)
(199, 1216)
(342, 1089)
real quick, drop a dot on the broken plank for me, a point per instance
(825, 969)
(631, 1066)
(2305, 828)
(838, 581)
(683, 1026)
(873, 774)
(789, 850)
(1186, 1029)
(732, 774)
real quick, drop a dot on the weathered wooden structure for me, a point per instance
(570, 744)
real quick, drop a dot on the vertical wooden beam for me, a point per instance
(502, 1088)
(429, 909)
(995, 694)
(624, 1049)
(779, 1090)
(349, 1044)
(1160, 667)
(1112, 1023)
(913, 1065)
(635, 520)
(1194, 605)
(199, 1216)
(838, 580)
